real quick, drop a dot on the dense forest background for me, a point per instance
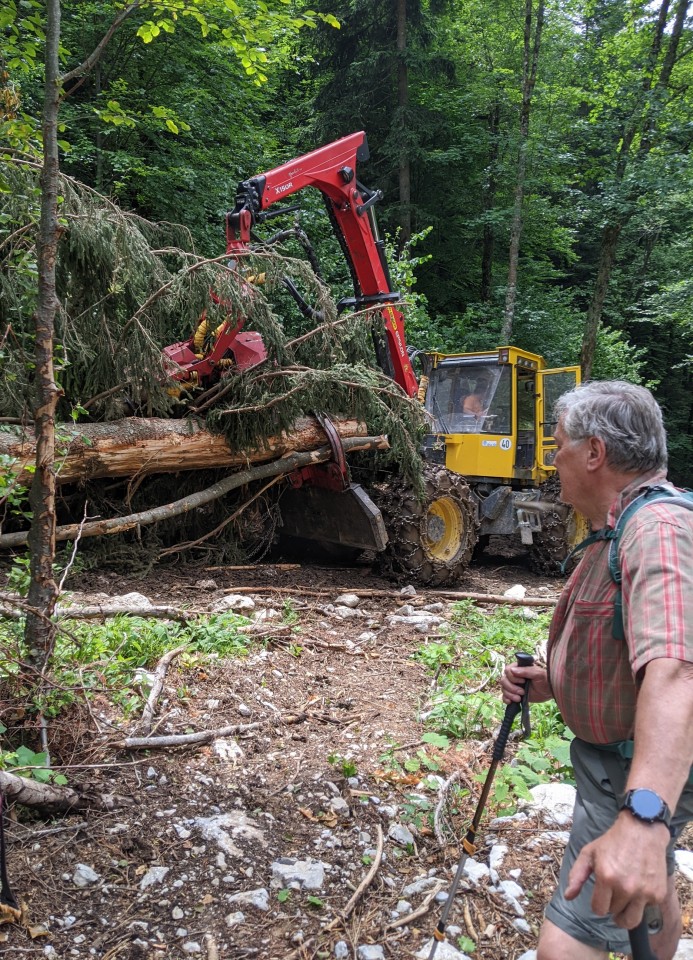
(535, 157)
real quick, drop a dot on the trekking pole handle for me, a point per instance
(512, 710)
(640, 941)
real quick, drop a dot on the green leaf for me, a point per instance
(412, 765)
(315, 902)
(171, 125)
(284, 895)
(436, 740)
(60, 779)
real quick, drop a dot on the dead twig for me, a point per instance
(162, 666)
(204, 736)
(419, 912)
(368, 879)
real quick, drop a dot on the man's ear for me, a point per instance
(596, 453)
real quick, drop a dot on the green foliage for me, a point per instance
(467, 703)
(346, 765)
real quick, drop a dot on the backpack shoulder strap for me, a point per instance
(653, 494)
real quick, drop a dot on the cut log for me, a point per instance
(137, 447)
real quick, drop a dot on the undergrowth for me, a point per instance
(466, 703)
(112, 658)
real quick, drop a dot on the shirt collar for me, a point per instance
(630, 492)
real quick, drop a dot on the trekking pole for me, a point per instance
(469, 847)
(640, 936)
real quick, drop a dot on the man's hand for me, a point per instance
(513, 678)
(629, 867)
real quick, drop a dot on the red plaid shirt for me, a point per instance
(594, 677)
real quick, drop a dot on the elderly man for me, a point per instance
(623, 699)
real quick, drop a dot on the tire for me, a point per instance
(430, 540)
(558, 536)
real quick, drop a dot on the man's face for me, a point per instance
(571, 464)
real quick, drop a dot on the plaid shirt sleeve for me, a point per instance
(656, 554)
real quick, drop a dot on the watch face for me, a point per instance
(646, 804)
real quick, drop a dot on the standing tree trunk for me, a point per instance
(530, 62)
(402, 104)
(644, 122)
(489, 201)
(43, 590)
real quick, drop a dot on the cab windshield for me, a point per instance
(466, 397)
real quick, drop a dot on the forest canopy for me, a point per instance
(535, 160)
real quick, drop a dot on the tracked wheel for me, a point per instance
(430, 540)
(559, 534)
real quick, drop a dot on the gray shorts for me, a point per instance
(596, 808)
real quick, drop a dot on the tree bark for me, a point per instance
(278, 467)
(50, 799)
(645, 121)
(489, 202)
(135, 446)
(530, 63)
(402, 103)
(43, 591)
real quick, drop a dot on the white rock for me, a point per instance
(84, 876)
(550, 836)
(224, 828)
(206, 585)
(502, 821)
(136, 601)
(408, 591)
(685, 950)
(341, 950)
(420, 886)
(345, 613)
(403, 906)
(192, 946)
(521, 925)
(406, 611)
(340, 806)
(684, 861)
(401, 835)
(308, 874)
(445, 951)
(152, 876)
(511, 893)
(347, 600)
(177, 913)
(235, 602)
(516, 592)
(234, 919)
(227, 750)
(532, 955)
(366, 637)
(475, 871)
(528, 614)
(554, 802)
(497, 855)
(371, 951)
(251, 898)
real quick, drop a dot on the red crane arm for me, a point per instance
(332, 171)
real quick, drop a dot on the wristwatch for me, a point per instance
(646, 805)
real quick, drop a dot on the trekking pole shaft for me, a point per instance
(511, 711)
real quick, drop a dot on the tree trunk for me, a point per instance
(402, 103)
(43, 590)
(645, 120)
(125, 448)
(489, 201)
(530, 63)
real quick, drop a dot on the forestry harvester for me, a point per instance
(489, 454)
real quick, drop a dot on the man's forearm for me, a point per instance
(664, 730)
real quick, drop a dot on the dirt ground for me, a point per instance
(195, 827)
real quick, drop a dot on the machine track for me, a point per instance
(558, 536)
(430, 540)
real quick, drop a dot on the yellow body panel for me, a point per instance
(518, 408)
